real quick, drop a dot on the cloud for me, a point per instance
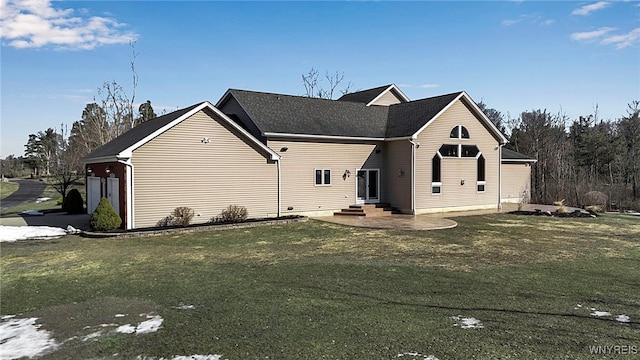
(624, 40)
(429, 86)
(36, 23)
(533, 19)
(590, 35)
(603, 36)
(585, 10)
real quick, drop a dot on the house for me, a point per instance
(279, 154)
(516, 178)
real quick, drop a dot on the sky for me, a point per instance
(566, 57)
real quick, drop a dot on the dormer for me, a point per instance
(380, 96)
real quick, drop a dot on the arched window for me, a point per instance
(481, 180)
(459, 132)
(436, 174)
(464, 133)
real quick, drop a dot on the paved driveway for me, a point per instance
(28, 190)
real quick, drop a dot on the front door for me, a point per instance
(368, 186)
(93, 193)
(113, 193)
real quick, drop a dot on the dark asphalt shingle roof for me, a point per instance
(512, 155)
(364, 96)
(276, 113)
(405, 119)
(131, 137)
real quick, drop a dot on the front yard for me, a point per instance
(497, 286)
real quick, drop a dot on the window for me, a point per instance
(436, 169)
(448, 150)
(436, 175)
(481, 180)
(464, 133)
(469, 151)
(323, 177)
(459, 132)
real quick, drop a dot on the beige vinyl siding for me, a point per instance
(387, 99)
(178, 169)
(398, 175)
(298, 177)
(516, 178)
(455, 195)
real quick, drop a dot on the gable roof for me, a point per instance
(512, 156)
(278, 115)
(122, 147)
(370, 96)
(300, 115)
(408, 118)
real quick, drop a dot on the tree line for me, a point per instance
(584, 161)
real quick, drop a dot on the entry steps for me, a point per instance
(366, 210)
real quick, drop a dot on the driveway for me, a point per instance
(28, 190)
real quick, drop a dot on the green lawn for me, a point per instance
(49, 205)
(317, 290)
(7, 188)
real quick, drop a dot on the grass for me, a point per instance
(7, 188)
(318, 290)
(49, 205)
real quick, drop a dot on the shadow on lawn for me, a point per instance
(458, 309)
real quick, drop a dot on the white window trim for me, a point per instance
(436, 184)
(484, 183)
(322, 170)
(460, 134)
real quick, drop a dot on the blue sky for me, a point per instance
(513, 55)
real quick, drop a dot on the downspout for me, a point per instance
(414, 145)
(500, 176)
(128, 163)
(279, 185)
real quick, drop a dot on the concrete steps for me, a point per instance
(366, 210)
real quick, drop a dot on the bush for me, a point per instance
(596, 199)
(562, 206)
(181, 216)
(105, 218)
(73, 203)
(232, 214)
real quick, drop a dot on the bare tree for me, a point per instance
(66, 168)
(315, 88)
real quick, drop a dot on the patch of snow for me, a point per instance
(151, 325)
(145, 327)
(23, 338)
(623, 318)
(416, 354)
(71, 230)
(92, 336)
(14, 233)
(42, 199)
(467, 322)
(126, 329)
(600, 313)
(120, 315)
(8, 317)
(32, 213)
(185, 307)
